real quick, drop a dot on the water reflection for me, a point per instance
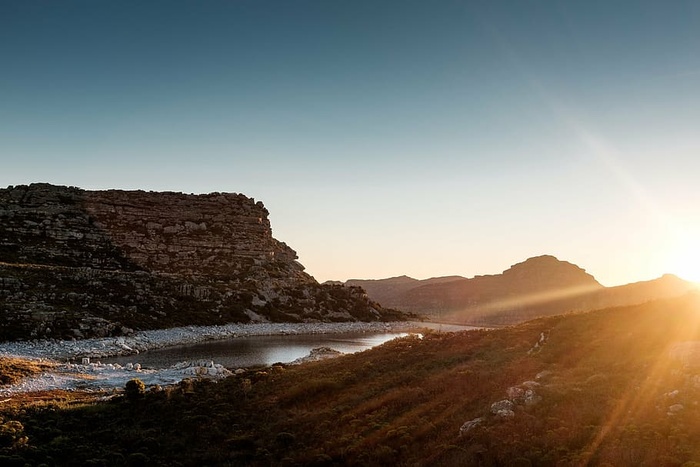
(259, 350)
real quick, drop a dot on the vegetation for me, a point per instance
(119, 300)
(14, 369)
(617, 387)
(134, 389)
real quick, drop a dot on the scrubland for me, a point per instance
(619, 386)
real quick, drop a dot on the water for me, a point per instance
(257, 350)
(250, 351)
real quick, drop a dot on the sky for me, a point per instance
(385, 137)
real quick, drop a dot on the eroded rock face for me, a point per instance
(77, 263)
(218, 233)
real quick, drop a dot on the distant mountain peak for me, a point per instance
(549, 267)
(542, 261)
(393, 280)
(539, 286)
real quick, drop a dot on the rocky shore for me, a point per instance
(142, 341)
(85, 375)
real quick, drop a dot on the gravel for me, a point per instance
(86, 376)
(156, 339)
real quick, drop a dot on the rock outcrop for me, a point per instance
(539, 286)
(77, 263)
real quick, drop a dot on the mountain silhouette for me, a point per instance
(538, 286)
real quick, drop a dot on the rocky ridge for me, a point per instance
(77, 263)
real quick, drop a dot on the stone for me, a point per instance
(504, 413)
(675, 408)
(515, 393)
(319, 353)
(470, 425)
(531, 398)
(502, 405)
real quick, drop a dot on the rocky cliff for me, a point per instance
(77, 263)
(539, 286)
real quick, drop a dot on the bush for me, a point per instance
(12, 434)
(134, 389)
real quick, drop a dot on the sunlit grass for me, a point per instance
(12, 369)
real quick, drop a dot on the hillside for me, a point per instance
(77, 263)
(612, 387)
(539, 286)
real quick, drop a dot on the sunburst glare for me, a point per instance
(684, 258)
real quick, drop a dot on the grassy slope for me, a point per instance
(403, 403)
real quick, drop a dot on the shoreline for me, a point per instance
(142, 341)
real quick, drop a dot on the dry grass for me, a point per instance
(12, 370)
(604, 403)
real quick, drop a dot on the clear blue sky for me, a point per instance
(385, 137)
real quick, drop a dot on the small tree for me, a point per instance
(135, 389)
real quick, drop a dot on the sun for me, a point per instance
(685, 260)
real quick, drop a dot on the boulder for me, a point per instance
(470, 425)
(504, 405)
(531, 398)
(515, 393)
(505, 414)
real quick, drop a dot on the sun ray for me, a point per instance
(682, 342)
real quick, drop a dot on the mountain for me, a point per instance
(539, 286)
(391, 290)
(78, 263)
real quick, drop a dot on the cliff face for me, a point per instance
(175, 233)
(77, 263)
(539, 286)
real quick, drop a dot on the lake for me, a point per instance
(243, 352)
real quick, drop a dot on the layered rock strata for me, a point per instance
(77, 263)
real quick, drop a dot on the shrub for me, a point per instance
(12, 434)
(134, 389)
